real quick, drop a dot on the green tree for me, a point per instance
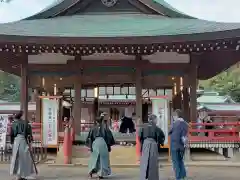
(9, 87)
(226, 83)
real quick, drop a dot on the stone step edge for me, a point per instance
(189, 164)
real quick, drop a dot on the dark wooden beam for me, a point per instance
(144, 65)
(9, 69)
(78, 7)
(142, 7)
(108, 63)
(153, 5)
(11, 58)
(67, 6)
(50, 67)
(213, 63)
(11, 63)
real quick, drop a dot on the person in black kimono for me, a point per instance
(100, 140)
(151, 138)
(22, 163)
(127, 125)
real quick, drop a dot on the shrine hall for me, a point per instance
(86, 45)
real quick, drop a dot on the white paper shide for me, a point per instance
(3, 129)
(49, 122)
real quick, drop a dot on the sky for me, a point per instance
(20, 9)
(213, 10)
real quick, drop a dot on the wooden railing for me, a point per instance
(221, 131)
(37, 131)
(36, 127)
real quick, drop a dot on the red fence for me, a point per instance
(37, 130)
(220, 132)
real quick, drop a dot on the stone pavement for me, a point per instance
(80, 173)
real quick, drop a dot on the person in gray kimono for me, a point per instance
(100, 140)
(150, 137)
(22, 163)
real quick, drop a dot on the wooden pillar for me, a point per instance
(178, 84)
(24, 87)
(193, 90)
(186, 97)
(177, 94)
(95, 106)
(138, 89)
(38, 108)
(77, 107)
(41, 92)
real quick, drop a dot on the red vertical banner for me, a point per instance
(138, 153)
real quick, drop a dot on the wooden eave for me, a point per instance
(183, 39)
(209, 64)
(213, 63)
(214, 51)
(212, 60)
(117, 102)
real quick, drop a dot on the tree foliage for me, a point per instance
(226, 83)
(9, 87)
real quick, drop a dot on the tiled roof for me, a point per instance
(124, 25)
(214, 99)
(220, 107)
(169, 9)
(15, 106)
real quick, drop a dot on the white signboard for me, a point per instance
(3, 129)
(161, 110)
(50, 122)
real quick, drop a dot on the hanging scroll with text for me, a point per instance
(49, 119)
(161, 109)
